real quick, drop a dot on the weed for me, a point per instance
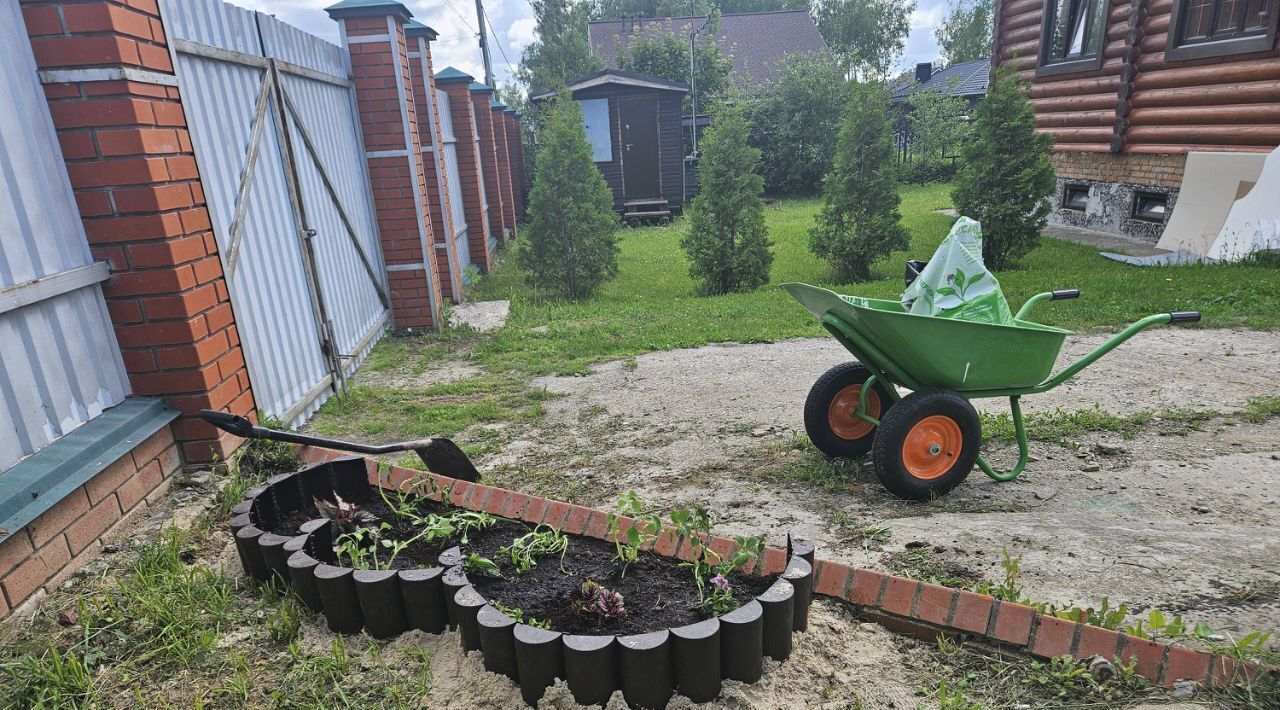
(525, 550)
(483, 566)
(1253, 590)
(50, 679)
(1259, 409)
(850, 530)
(518, 614)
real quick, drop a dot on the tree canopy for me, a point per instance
(617, 9)
(866, 36)
(793, 120)
(561, 51)
(666, 56)
(965, 35)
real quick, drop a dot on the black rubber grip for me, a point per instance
(1065, 293)
(228, 422)
(1184, 317)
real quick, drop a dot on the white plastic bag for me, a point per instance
(956, 284)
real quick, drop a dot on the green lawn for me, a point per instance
(651, 306)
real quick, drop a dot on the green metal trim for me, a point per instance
(869, 355)
(37, 483)
(1019, 432)
(368, 8)
(449, 74)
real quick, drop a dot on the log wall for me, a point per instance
(1138, 102)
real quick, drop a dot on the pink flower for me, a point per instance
(719, 582)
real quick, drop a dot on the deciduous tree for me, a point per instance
(965, 34)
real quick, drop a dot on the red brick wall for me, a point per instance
(489, 161)
(448, 269)
(384, 97)
(134, 173)
(515, 154)
(40, 557)
(499, 117)
(469, 171)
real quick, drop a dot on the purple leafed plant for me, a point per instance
(599, 603)
(345, 516)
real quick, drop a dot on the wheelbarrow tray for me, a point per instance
(937, 352)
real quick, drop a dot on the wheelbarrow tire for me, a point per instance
(926, 444)
(828, 411)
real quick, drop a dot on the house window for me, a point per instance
(1213, 28)
(1075, 197)
(1072, 37)
(595, 117)
(1150, 206)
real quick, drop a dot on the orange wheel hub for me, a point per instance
(932, 446)
(841, 417)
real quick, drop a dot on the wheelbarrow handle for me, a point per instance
(1046, 296)
(1064, 294)
(1184, 317)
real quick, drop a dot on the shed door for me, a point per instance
(640, 149)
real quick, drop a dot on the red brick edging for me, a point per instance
(899, 604)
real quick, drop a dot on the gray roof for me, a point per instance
(755, 42)
(966, 80)
(615, 76)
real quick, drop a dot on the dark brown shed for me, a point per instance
(633, 125)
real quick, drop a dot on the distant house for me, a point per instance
(1129, 90)
(755, 42)
(967, 80)
(633, 125)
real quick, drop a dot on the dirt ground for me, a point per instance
(1174, 517)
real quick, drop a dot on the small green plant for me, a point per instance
(525, 550)
(361, 547)
(643, 531)
(694, 525)
(1259, 409)
(466, 522)
(518, 614)
(599, 603)
(477, 564)
(721, 599)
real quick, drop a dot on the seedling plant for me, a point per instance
(643, 530)
(525, 550)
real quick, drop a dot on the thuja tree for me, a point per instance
(727, 242)
(571, 244)
(859, 222)
(1006, 177)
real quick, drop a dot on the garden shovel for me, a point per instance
(441, 456)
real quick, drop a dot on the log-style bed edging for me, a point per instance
(901, 605)
(648, 668)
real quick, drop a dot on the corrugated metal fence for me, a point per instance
(292, 209)
(59, 363)
(454, 179)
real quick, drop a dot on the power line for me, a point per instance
(498, 42)
(462, 17)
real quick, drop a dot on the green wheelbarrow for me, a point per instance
(925, 443)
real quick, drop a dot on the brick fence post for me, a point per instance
(114, 99)
(515, 153)
(470, 170)
(500, 145)
(481, 96)
(373, 36)
(448, 266)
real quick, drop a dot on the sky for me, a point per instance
(512, 29)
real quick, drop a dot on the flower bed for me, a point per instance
(548, 590)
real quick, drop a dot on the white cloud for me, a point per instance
(521, 33)
(929, 18)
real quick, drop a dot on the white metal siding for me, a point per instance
(454, 178)
(59, 362)
(270, 288)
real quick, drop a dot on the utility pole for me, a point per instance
(484, 45)
(693, 69)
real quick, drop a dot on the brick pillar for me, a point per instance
(481, 95)
(115, 104)
(373, 35)
(470, 170)
(515, 153)
(504, 166)
(448, 268)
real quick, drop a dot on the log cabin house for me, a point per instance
(1128, 87)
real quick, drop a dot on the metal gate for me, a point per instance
(60, 365)
(454, 179)
(273, 120)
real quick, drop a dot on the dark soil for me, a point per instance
(658, 593)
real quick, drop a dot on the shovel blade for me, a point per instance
(444, 457)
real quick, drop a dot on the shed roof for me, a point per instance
(965, 80)
(621, 78)
(755, 41)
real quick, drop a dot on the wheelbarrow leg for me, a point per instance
(1019, 432)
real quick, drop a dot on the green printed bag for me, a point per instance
(956, 284)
